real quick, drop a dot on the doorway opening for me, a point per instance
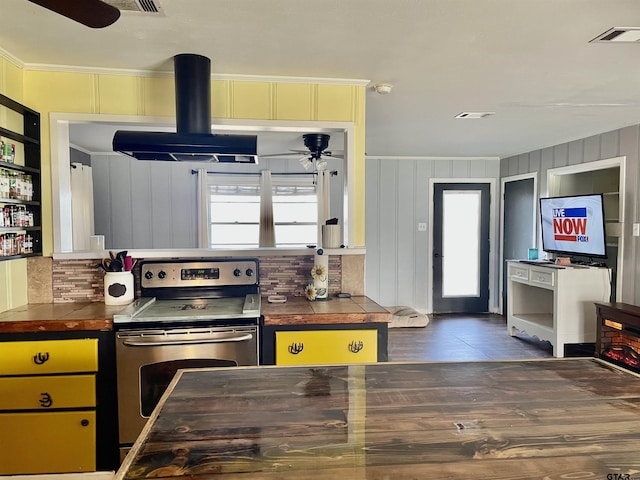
(518, 223)
(461, 226)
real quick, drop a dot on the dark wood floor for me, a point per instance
(457, 337)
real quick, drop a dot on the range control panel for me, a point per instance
(200, 273)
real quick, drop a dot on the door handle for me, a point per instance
(437, 255)
(296, 348)
(152, 342)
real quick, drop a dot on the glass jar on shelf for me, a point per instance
(29, 188)
(4, 183)
(8, 151)
(13, 185)
(27, 246)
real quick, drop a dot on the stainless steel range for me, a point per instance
(191, 314)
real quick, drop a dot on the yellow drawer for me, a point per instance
(544, 278)
(53, 442)
(326, 346)
(31, 393)
(49, 356)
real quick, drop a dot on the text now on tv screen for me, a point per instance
(573, 225)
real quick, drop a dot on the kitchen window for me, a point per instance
(234, 210)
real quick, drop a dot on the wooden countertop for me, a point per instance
(555, 418)
(300, 311)
(58, 317)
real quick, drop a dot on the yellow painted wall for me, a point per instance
(67, 92)
(112, 94)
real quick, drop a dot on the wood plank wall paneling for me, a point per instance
(153, 204)
(397, 199)
(622, 142)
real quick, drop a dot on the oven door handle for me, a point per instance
(155, 342)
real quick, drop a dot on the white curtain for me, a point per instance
(267, 228)
(324, 200)
(203, 210)
(81, 205)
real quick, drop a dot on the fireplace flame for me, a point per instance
(623, 354)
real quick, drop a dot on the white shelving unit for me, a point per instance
(555, 304)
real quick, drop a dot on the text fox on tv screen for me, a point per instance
(573, 225)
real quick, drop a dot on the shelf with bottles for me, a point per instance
(26, 131)
(18, 216)
(17, 186)
(18, 156)
(20, 181)
(14, 244)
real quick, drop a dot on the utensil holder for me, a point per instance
(118, 288)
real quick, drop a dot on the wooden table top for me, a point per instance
(538, 419)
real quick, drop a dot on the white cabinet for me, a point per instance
(555, 304)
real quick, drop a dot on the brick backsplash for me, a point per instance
(80, 281)
(612, 337)
(289, 275)
(77, 281)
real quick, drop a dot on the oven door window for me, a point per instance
(155, 378)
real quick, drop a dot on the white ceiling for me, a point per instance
(529, 61)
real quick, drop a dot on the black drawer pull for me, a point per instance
(40, 358)
(296, 348)
(45, 400)
(84, 422)
(355, 347)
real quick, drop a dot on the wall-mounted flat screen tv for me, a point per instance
(574, 225)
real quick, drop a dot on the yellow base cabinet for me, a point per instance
(311, 347)
(51, 442)
(31, 393)
(49, 356)
(48, 398)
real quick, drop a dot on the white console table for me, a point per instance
(555, 304)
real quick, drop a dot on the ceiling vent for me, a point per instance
(137, 6)
(619, 35)
(474, 114)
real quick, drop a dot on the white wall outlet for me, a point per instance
(636, 229)
(422, 226)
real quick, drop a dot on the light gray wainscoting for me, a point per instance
(152, 205)
(616, 143)
(397, 199)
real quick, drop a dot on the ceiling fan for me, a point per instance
(92, 13)
(316, 153)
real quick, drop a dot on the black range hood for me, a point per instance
(193, 140)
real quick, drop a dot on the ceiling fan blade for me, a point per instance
(293, 153)
(333, 153)
(92, 13)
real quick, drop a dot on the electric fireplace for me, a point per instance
(618, 334)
